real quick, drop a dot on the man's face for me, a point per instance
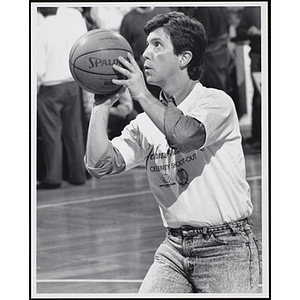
(161, 64)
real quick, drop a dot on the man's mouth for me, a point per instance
(146, 68)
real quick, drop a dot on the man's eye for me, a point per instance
(157, 44)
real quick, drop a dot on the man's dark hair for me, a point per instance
(186, 34)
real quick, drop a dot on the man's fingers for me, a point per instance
(129, 67)
(119, 82)
(121, 70)
(129, 63)
(132, 60)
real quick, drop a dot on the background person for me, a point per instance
(58, 99)
(250, 29)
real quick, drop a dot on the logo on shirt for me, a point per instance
(165, 178)
(182, 177)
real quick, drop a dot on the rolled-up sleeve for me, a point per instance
(183, 132)
(112, 162)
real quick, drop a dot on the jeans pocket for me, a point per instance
(234, 238)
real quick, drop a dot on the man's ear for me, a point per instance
(185, 58)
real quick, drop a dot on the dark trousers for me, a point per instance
(256, 100)
(256, 116)
(59, 113)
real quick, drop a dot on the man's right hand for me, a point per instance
(109, 99)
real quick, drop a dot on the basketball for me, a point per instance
(92, 57)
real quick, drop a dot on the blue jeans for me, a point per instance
(217, 259)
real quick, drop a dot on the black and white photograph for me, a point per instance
(150, 150)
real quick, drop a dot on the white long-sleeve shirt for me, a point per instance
(201, 187)
(55, 38)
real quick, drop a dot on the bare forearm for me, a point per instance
(97, 139)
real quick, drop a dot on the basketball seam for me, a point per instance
(89, 33)
(86, 85)
(90, 72)
(91, 88)
(87, 53)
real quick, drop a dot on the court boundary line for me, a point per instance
(89, 280)
(102, 198)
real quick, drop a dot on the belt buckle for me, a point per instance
(188, 231)
(175, 231)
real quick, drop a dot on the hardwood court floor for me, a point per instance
(101, 237)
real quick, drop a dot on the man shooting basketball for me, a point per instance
(190, 142)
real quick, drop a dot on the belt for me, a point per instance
(188, 230)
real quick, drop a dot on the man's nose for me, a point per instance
(146, 53)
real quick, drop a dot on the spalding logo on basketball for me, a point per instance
(92, 57)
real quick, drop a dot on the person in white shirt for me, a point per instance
(58, 99)
(190, 143)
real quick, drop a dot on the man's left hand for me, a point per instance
(135, 81)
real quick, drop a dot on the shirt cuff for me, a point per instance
(112, 162)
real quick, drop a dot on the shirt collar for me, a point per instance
(179, 96)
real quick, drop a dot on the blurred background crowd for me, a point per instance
(63, 109)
